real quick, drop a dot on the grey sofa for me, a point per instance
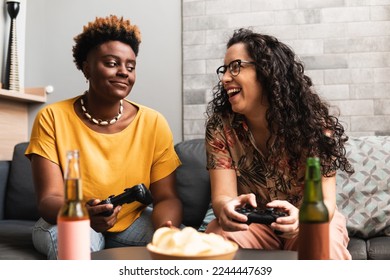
(360, 197)
(18, 208)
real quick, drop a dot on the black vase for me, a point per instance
(11, 78)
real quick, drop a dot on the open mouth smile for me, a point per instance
(232, 92)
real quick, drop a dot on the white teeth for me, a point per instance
(233, 91)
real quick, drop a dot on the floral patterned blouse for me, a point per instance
(231, 145)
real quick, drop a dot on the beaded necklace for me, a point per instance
(99, 121)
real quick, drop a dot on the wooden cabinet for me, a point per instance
(14, 117)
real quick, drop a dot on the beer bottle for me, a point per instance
(73, 220)
(313, 240)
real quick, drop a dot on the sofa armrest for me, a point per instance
(4, 170)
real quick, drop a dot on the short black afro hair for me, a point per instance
(103, 30)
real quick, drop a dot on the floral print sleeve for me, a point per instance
(217, 146)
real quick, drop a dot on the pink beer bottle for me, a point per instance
(73, 220)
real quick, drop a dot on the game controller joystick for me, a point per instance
(260, 216)
(136, 193)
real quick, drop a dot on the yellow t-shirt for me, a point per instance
(141, 153)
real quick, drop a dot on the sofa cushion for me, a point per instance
(193, 181)
(358, 248)
(20, 203)
(364, 197)
(16, 241)
(378, 248)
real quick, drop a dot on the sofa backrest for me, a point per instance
(364, 197)
(20, 197)
(193, 181)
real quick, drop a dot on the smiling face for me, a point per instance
(244, 90)
(110, 68)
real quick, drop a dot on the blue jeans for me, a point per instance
(139, 233)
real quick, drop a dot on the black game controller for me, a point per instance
(260, 216)
(136, 193)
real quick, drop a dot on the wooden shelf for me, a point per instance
(14, 117)
(27, 95)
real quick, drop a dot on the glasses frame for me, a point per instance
(221, 70)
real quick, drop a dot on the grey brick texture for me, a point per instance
(344, 44)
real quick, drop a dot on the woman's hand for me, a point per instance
(288, 225)
(230, 219)
(99, 222)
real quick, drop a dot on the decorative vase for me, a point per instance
(11, 79)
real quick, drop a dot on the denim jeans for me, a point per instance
(138, 234)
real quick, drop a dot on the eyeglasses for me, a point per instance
(234, 68)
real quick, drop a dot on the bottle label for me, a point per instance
(74, 239)
(313, 241)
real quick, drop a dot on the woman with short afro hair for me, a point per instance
(121, 144)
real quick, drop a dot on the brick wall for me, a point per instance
(344, 44)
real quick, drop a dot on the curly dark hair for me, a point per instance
(101, 30)
(297, 118)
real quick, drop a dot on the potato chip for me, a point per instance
(189, 242)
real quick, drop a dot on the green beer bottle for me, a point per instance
(313, 240)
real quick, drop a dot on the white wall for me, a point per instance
(52, 25)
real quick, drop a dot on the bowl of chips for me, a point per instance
(189, 244)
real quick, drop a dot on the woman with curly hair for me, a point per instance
(264, 120)
(121, 144)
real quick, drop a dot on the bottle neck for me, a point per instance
(73, 188)
(313, 183)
